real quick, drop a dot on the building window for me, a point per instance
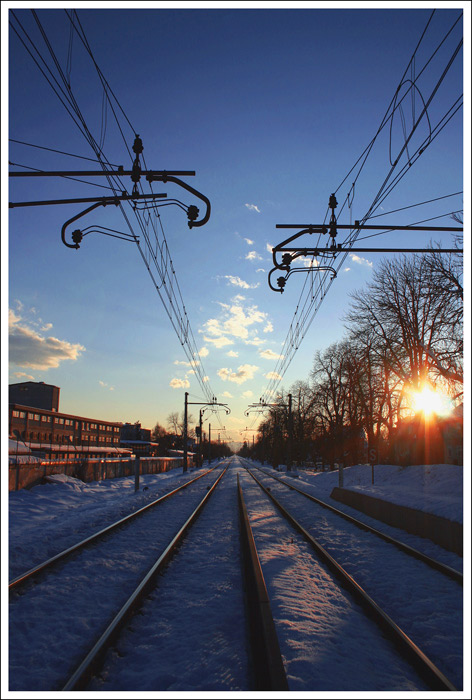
(31, 416)
(15, 414)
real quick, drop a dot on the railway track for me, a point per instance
(48, 564)
(428, 671)
(410, 551)
(95, 657)
(178, 617)
(71, 595)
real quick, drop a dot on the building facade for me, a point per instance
(138, 439)
(34, 418)
(36, 425)
(35, 394)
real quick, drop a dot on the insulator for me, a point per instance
(77, 236)
(332, 202)
(286, 259)
(192, 212)
(138, 145)
(136, 173)
(281, 282)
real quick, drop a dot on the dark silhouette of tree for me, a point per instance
(413, 318)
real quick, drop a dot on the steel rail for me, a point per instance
(268, 668)
(420, 662)
(411, 551)
(22, 578)
(95, 658)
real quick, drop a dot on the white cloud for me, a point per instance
(28, 348)
(247, 394)
(232, 353)
(227, 395)
(235, 322)
(219, 342)
(255, 341)
(179, 383)
(248, 241)
(104, 385)
(269, 327)
(260, 269)
(273, 375)
(205, 379)
(269, 248)
(183, 363)
(253, 207)
(308, 262)
(252, 255)
(20, 375)
(204, 352)
(360, 260)
(238, 282)
(270, 355)
(243, 373)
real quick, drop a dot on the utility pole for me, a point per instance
(185, 430)
(290, 434)
(209, 442)
(213, 402)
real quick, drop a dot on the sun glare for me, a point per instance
(429, 402)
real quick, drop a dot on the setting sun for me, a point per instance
(429, 401)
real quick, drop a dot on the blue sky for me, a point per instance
(271, 108)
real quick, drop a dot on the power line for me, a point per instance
(419, 204)
(155, 253)
(55, 150)
(313, 292)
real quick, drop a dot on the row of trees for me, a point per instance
(172, 438)
(403, 331)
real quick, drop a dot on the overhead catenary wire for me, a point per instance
(313, 293)
(65, 177)
(155, 255)
(55, 150)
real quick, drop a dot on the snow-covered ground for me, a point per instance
(48, 518)
(434, 488)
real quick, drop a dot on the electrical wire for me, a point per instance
(156, 256)
(419, 204)
(305, 314)
(55, 150)
(64, 177)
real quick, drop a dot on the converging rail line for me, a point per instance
(61, 556)
(221, 588)
(87, 578)
(418, 660)
(411, 551)
(95, 657)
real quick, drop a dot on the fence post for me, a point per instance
(136, 473)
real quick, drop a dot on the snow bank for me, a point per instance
(434, 488)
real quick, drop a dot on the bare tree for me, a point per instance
(414, 320)
(176, 422)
